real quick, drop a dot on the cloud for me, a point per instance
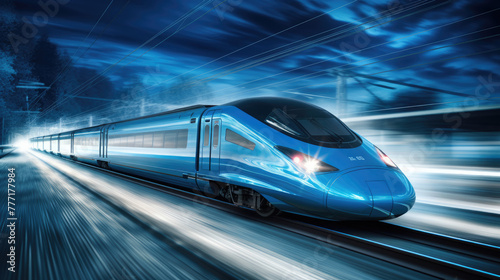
(233, 33)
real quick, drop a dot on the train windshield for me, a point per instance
(300, 120)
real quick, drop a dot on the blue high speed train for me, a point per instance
(269, 154)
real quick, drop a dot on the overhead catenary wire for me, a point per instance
(316, 42)
(315, 74)
(88, 82)
(372, 19)
(60, 74)
(424, 31)
(322, 73)
(304, 46)
(263, 39)
(406, 67)
(91, 81)
(400, 11)
(255, 42)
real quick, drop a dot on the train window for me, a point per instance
(239, 140)
(130, 141)
(326, 129)
(148, 140)
(216, 136)
(170, 139)
(176, 138)
(158, 140)
(300, 120)
(206, 137)
(182, 138)
(123, 141)
(139, 140)
(281, 120)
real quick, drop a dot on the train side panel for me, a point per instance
(160, 147)
(65, 144)
(86, 145)
(46, 143)
(248, 158)
(54, 144)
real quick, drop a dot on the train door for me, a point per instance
(206, 133)
(106, 139)
(59, 144)
(215, 147)
(210, 144)
(101, 142)
(210, 147)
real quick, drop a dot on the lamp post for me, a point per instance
(25, 84)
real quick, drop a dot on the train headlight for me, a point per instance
(387, 160)
(308, 163)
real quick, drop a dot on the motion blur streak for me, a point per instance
(468, 227)
(453, 166)
(190, 227)
(463, 171)
(85, 237)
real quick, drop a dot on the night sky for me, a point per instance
(243, 48)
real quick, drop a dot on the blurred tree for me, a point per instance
(7, 71)
(67, 85)
(47, 64)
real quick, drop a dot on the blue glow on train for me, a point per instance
(270, 154)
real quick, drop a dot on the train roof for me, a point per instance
(182, 109)
(188, 108)
(258, 106)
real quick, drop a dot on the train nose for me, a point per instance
(370, 193)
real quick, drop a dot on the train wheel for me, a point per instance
(266, 209)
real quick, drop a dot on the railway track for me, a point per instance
(2, 148)
(430, 253)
